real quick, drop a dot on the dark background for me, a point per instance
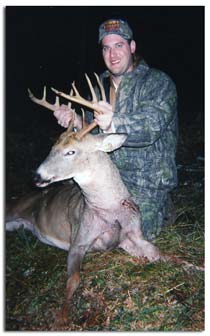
(55, 45)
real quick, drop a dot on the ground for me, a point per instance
(116, 293)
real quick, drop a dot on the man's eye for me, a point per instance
(69, 153)
(119, 45)
(105, 49)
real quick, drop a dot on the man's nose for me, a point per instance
(112, 52)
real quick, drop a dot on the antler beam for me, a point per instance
(44, 102)
(80, 100)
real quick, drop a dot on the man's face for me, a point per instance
(117, 54)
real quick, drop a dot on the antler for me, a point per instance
(52, 107)
(80, 100)
(77, 99)
(44, 102)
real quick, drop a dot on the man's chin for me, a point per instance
(116, 73)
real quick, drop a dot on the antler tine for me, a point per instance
(84, 124)
(81, 133)
(71, 94)
(43, 101)
(80, 100)
(57, 101)
(75, 90)
(77, 98)
(71, 125)
(44, 93)
(103, 96)
(94, 98)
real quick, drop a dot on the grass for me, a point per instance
(116, 293)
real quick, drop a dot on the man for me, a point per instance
(142, 102)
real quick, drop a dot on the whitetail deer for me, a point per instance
(96, 213)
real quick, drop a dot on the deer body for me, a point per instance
(57, 214)
(94, 214)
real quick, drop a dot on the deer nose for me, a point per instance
(37, 178)
(40, 181)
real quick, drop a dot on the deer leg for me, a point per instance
(74, 263)
(82, 243)
(86, 236)
(135, 244)
(139, 247)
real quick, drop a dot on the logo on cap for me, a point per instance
(112, 25)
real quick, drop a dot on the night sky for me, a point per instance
(56, 45)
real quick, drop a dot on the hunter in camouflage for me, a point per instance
(142, 102)
(146, 109)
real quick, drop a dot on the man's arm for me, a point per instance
(156, 109)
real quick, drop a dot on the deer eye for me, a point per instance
(69, 153)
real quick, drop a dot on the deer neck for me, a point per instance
(101, 183)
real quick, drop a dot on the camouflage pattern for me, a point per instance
(115, 26)
(146, 109)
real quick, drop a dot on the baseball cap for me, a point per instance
(115, 26)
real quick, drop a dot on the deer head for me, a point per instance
(74, 155)
(75, 158)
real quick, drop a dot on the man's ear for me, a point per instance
(133, 46)
(110, 142)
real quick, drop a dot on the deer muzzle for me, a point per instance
(40, 181)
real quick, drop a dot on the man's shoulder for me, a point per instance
(154, 79)
(159, 76)
(151, 72)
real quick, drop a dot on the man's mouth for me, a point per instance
(115, 62)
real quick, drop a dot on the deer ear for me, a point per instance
(110, 142)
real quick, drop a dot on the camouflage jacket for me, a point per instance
(146, 109)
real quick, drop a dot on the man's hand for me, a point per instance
(104, 120)
(64, 115)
